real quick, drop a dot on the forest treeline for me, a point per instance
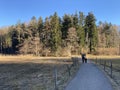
(61, 36)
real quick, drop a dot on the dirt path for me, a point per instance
(89, 77)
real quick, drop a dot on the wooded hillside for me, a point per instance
(61, 36)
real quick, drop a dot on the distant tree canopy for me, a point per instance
(56, 36)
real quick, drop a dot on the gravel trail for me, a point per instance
(89, 77)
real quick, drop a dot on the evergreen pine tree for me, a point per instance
(91, 32)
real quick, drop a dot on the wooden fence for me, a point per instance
(107, 64)
(74, 64)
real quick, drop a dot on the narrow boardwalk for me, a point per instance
(89, 77)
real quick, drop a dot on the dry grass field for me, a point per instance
(37, 73)
(34, 73)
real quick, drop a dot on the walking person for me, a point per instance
(84, 59)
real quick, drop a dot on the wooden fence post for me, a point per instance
(68, 69)
(73, 60)
(111, 68)
(104, 65)
(55, 77)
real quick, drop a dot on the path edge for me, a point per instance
(113, 83)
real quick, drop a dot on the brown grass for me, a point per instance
(29, 58)
(33, 73)
(103, 56)
(107, 51)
